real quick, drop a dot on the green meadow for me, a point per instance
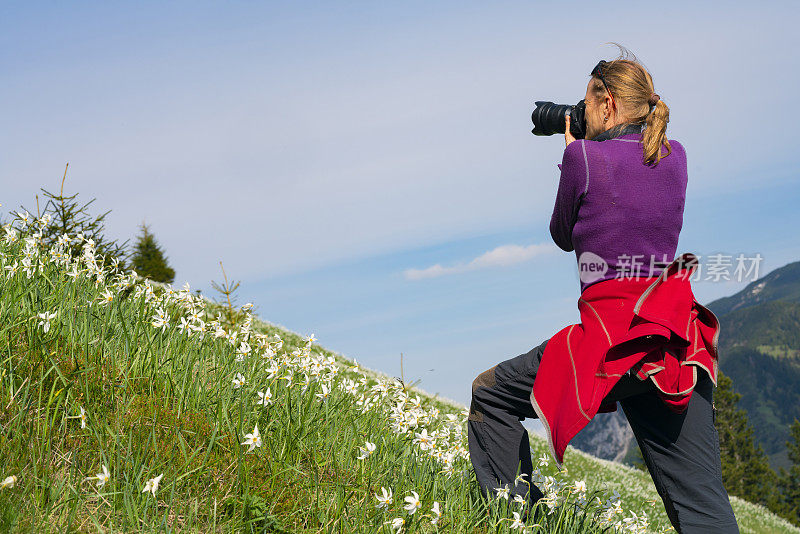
(129, 406)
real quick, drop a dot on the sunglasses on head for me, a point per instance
(598, 71)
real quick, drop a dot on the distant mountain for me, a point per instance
(759, 349)
(782, 284)
(607, 436)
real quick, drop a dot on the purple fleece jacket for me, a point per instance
(621, 217)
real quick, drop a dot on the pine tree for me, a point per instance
(149, 260)
(790, 481)
(745, 468)
(69, 217)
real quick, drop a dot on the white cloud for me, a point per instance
(502, 256)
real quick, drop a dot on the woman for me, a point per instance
(643, 340)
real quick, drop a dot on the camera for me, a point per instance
(549, 118)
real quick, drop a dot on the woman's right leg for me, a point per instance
(498, 443)
(682, 454)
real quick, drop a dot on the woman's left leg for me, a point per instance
(498, 443)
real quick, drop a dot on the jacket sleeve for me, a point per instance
(572, 187)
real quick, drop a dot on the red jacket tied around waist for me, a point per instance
(651, 326)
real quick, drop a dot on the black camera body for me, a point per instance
(549, 118)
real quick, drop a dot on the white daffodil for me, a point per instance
(45, 320)
(551, 500)
(243, 351)
(437, 513)
(326, 391)
(264, 397)
(423, 440)
(83, 417)
(385, 499)
(238, 381)
(311, 339)
(366, 450)
(253, 439)
(184, 326)
(517, 523)
(305, 383)
(502, 492)
(349, 386)
(160, 319)
(519, 499)
(102, 477)
(8, 482)
(412, 503)
(580, 486)
(544, 461)
(107, 297)
(152, 485)
(397, 524)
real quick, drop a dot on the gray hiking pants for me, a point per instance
(681, 450)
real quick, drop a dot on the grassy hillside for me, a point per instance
(130, 407)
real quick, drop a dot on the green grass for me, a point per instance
(161, 399)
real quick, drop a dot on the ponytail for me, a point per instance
(655, 134)
(632, 87)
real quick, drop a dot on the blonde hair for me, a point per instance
(631, 86)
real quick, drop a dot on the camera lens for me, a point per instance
(549, 118)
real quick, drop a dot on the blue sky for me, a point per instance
(324, 150)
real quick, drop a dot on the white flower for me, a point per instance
(102, 477)
(385, 499)
(83, 417)
(45, 320)
(544, 461)
(423, 440)
(326, 391)
(152, 485)
(184, 326)
(437, 513)
(368, 449)
(8, 482)
(413, 503)
(253, 440)
(265, 397)
(551, 499)
(519, 499)
(160, 319)
(517, 523)
(580, 486)
(349, 386)
(310, 339)
(243, 350)
(107, 297)
(397, 524)
(238, 381)
(502, 492)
